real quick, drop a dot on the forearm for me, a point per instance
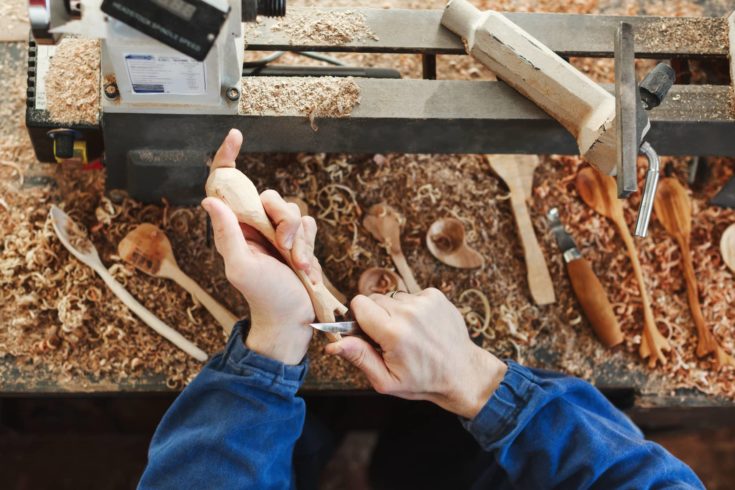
(547, 430)
(235, 425)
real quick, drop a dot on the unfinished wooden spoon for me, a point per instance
(517, 173)
(81, 247)
(674, 211)
(304, 208)
(447, 242)
(378, 280)
(727, 247)
(239, 193)
(600, 193)
(384, 223)
(148, 249)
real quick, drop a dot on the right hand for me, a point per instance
(427, 353)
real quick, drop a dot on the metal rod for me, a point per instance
(626, 100)
(649, 191)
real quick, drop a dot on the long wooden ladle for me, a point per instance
(148, 249)
(674, 211)
(240, 194)
(383, 222)
(600, 193)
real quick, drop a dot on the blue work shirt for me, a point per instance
(236, 424)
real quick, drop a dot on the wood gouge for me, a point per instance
(586, 285)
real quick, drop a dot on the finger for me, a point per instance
(228, 150)
(365, 358)
(386, 302)
(373, 318)
(303, 246)
(228, 237)
(314, 270)
(286, 218)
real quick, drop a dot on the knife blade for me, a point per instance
(342, 328)
(586, 285)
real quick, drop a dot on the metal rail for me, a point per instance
(420, 31)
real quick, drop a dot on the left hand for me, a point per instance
(280, 307)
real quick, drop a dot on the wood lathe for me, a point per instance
(188, 76)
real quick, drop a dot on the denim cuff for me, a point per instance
(237, 358)
(503, 410)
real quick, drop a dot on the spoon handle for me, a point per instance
(652, 342)
(539, 279)
(406, 273)
(706, 341)
(149, 318)
(223, 316)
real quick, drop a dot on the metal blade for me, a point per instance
(343, 328)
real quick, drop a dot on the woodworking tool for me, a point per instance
(586, 285)
(141, 105)
(341, 328)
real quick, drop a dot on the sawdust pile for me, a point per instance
(330, 97)
(324, 27)
(13, 20)
(73, 82)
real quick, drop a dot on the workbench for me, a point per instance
(483, 126)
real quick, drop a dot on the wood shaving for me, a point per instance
(324, 27)
(73, 82)
(328, 97)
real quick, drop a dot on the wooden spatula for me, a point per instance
(600, 193)
(148, 249)
(517, 173)
(383, 222)
(239, 193)
(674, 211)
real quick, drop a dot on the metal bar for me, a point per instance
(626, 102)
(420, 31)
(428, 66)
(423, 116)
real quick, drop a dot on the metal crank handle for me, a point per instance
(649, 191)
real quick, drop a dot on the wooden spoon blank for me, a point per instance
(600, 193)
(727, 247)
(383, 222)
(148, 249)
(239, 193)
(517, 173)
(674, 211)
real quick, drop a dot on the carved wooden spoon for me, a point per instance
(517, 173)
(727, 247)
(600, 193)
(148, 249)
(447, 241)
(239, 193)
(674, 211)
(384, 223)
(377, 280)
(81, 247)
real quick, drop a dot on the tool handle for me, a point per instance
(223, 316)
(583, 107)
(706, 341)
(539, 279)
(149, 318)
(594, 302)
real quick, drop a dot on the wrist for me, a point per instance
(287, 344)
(486, 372)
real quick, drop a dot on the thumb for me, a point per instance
(364, 357)
(228, 237)
(228, 151)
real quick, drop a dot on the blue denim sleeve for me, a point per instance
(234, 426)
(547, 430)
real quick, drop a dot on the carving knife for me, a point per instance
(342, 328)
(586, 285)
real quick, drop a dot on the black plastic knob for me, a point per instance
(63, 142)
(656, 85)
(272, 8)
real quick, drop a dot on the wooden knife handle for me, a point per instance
(594, 302)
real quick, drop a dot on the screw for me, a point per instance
(233, 93)
(111, 91)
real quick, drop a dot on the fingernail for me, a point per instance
(288, 242)
(205, 205)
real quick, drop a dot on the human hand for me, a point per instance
(427, 353)
(280, 307)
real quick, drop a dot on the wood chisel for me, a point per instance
(586, 285)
